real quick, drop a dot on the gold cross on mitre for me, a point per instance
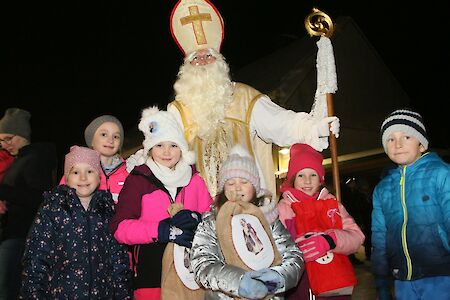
(206, 30)
(196, 19)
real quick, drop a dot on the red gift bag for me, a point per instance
(331, 274)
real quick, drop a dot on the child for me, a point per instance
(105, 135)
(319, 224)
(165, 181)
(411, 214)
(70, 253)
(223, 258)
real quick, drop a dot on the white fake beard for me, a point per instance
(206, 91)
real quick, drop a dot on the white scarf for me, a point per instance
(171, 178)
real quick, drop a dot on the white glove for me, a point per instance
(335, 127)
(324, 127)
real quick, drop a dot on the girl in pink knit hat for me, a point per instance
(321, 227)
(70, 252)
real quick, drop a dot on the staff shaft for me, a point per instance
(333, 151)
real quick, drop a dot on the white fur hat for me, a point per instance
(161, 126)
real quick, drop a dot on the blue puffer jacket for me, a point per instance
(411, 221)
(70, 252)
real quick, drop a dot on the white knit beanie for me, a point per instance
(161, 126)
(239, 164)
(407, 121)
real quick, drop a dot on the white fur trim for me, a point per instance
(135, 159)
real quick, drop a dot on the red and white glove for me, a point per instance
(316, 245)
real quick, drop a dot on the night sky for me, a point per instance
(118, 57)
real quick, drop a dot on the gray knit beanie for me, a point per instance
(96, 123)
(16, 121)
(407, 121)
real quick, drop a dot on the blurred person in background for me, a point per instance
(21, 192)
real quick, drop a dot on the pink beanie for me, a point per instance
(82, 155)
(304, 156)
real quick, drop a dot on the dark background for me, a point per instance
(118, 57)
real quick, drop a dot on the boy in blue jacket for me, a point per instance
(411, 214)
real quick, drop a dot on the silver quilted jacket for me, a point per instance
(221, 280)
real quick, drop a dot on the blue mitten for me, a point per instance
(186, 219)
(272, 279)
(164, 230)
(251, 288)
(182, 237)
(167, 232)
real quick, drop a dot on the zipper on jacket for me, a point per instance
(135, 258)
(87, 215)
(106, 177)
(405, 221)
(110, 173)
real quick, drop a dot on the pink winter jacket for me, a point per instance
(113, 182)
(348, 239)
(142, 205)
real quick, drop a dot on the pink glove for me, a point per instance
(316, 245)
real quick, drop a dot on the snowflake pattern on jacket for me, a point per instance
(70, 252)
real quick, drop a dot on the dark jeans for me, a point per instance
(11, 252)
